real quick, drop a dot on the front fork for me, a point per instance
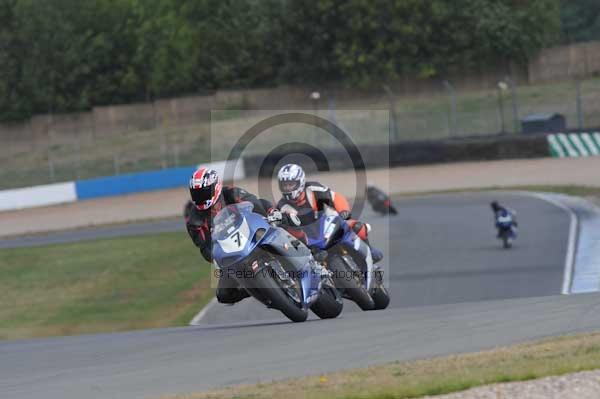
(363, 249)
(312, 274)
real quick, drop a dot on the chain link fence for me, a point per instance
(61, 155)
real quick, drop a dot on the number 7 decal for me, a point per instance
(236, 238)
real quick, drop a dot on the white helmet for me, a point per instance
(291, 181)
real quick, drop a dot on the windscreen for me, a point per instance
(229, 219)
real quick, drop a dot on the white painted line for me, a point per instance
(586, 276)
(198, 318)
(571, 246)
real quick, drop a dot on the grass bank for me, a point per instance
(436, 376)
(101, 286)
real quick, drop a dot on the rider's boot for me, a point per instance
(229, 292)
(376, 254)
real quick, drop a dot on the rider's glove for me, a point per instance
(292, 219)
(274, 216)
(345, 215)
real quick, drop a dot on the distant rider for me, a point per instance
(300, 196)
(209, 196)
(503, 215)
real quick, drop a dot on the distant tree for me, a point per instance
(580, 20)
(236, 42)
(70, 55)
(14, 104)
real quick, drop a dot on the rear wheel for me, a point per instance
(282, 294)
(506, 242)
(380, 296)
(351, 283)
(330, 303)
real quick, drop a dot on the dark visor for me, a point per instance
(288, 186)
(200, 196)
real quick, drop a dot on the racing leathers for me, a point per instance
(199, 224)
(503, 215)
(314, 198)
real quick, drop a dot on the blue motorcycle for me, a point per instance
(342, 252)
(507, 231)
(271, 265)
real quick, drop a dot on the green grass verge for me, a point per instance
(101, 286)
(436, 376)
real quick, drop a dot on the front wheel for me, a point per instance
(351, 283)
(276, 294)
(330, 303)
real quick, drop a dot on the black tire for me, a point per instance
(330, 303)
(279, 299)
(351, 286)
(381, 298)
(506, 242)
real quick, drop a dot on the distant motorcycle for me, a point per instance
(507, 231)
(337, 247)
(271, 265)
(380, 201)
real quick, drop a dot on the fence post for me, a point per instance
(515, 105)
(176, 154)
(164, 149)
(452, 109)
(116, 166)
(580, 120)
(51, 172)
(315, 96)
(78, 166)
(501, 88)
(331, 106)
(394, 122)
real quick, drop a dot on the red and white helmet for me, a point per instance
(205, 188)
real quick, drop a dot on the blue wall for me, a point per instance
(133, 183)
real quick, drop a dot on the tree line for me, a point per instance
(71, 55)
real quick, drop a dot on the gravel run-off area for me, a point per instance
(584, 385)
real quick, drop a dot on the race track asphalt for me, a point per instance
(453, 290)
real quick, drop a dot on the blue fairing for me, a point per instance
(317, 235)
(505, 224)
(235, 238)
(329, 230)
(254, 223)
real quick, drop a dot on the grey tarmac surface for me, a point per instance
(453, 290)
